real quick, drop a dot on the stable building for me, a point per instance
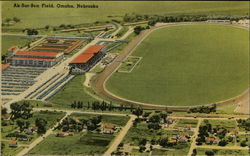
(34, 58)
(87, 59)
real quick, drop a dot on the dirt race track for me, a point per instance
(99, 83)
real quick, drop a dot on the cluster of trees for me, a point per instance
(20, 110)
(7, 21)
(203, 109)
(31, 31)
(244, 124)
(64, 26)
(207, 129)
(70, 124)
(138, 29)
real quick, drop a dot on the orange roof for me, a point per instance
(13, 48)
(62, 133)
(13, 142)
(82, 58)
(94, 49)
(4, 66)
(31, 58)
(37, 53)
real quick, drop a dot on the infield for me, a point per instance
(187, 65)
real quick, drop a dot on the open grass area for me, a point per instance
(9, 41)
(187, 65)
(74, 91)
(40, 17)
(117, 120)
(228, 124)
(185, 122)
(201, 151)
(82, 144)
(170, 152)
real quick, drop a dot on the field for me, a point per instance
(81, 143)
(184, 122)
(187, 65)
(228, 124)
(201, 151)
(40, 17)
(74, 91)
(9, 41)
(129, 64)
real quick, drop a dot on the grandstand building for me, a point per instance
(34, 58)
(87, 59)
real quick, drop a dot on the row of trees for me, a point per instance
(203, 109)
(138, 29)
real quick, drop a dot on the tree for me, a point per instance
(138, 112)
(20, 110)
(20, 124)
(222, 143)
(4, 111)
(209, 153)
(163, 142)
(41, 124)
(16, 19)
(194, 152)
(46, 27)
(138, 30)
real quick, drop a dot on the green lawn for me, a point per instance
(228, 124)
(201, 151)
(39, 17)
(74, 91)
(187, 65)
(9, 41)
(9, 151)
(82, 144)
(129, 64)
(184, 122)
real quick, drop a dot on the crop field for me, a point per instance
(187, 65)
(81, 143)
(40, 17)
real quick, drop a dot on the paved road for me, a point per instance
(99, 84)
(121, 135)
(41, 138)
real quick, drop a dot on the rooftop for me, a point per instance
(94, 49)
(31, 58)
(37, 53)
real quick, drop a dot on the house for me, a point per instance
(183, 139)
(70, 134)
(233, 133)
(187, 127)
(108, 128)
(170, 121)
(211, 140)
(62, 134)
(23, 138)
(33, 128)
(13, 144)
(28, 131)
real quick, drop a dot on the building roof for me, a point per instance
(93, 49)
(82, 58)
(6, 65)
(32, 58)
(13, 48)
(37, 53)
(13, 142)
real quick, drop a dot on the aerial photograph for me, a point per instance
(125, 78)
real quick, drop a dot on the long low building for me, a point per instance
(33, 58)
(87, 59)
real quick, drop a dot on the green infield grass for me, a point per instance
(39, 17)
(187, 65)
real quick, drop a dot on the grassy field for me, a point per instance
(74, 91)
(201, 151)
(9, 41)
(184, 122)
(187, 65)
(82, 144)
(228, 124)
(40, 17)
(129, 64)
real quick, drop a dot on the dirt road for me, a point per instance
(119, 138)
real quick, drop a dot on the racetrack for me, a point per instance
(99, 83)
